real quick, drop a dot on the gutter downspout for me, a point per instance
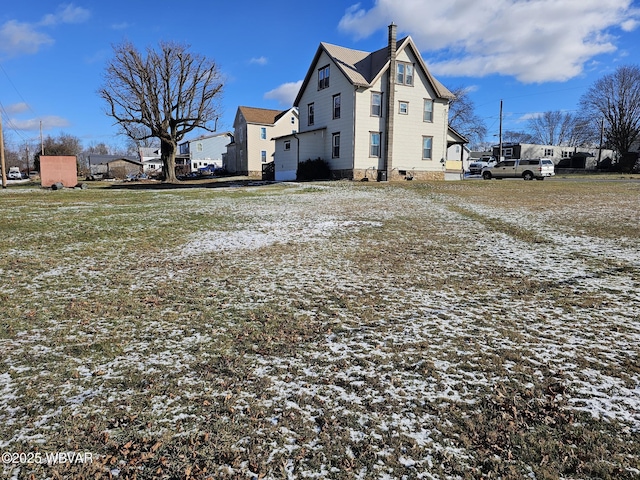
(391, 99)
(295, 135)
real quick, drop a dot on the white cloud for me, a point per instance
(534, 40)
(22, 38)
(285, 94)
(120, 26)
(66, 14)
(17, 108)
(259, 61)
(529, 116)
(33, 124)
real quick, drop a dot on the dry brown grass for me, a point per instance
(333, 330)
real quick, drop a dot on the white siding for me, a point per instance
(410, 129)
(323, 104)
(365, 123)
(356, 123)
(286, 166)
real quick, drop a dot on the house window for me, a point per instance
(293, 120)
(566, 154)
(310, 114)
(335, 145)
(427, 116)
(263, 133)
(507, 152)
(404, 73)
(374, 148)
(403, 108)
(323, 78)
(548, 152)
(376, 104)
(199, 147)
(263, 156)
(336, 106)
(427, 143)
(287, 144)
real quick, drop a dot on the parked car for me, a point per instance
(475, 168)
(14, 173)
(528, 169)
(211, 169)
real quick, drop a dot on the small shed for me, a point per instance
(114, 166)
(59, 169)
(122, 167)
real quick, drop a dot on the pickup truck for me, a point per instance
(528, 169)
(475, 167)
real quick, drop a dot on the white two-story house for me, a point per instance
(379, 115)
(254, 131)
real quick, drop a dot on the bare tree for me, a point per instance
(615, 100)
(511, 136)
(462, 116)
(165, 95)
(552, 128)
(63, 144)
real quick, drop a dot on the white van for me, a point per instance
(14, 173)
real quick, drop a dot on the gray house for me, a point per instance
(207, 150)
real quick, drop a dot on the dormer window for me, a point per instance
(323, 78)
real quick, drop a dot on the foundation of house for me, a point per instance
(372, 175)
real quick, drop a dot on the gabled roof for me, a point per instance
(146, 152)
(209, 135)
(104, 159)
(362, 69)
(262, 116)
(453, 136)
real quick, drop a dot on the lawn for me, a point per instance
(444, 330)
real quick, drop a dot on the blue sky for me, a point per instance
(534, 55)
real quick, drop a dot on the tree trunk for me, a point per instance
(168, 156)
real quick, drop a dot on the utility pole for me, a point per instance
(500, 147)
(601, 138)
(2, 162)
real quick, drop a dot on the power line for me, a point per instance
(547, 92)
(15, 88)
(10, 123)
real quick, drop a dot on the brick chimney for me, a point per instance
(391, 101)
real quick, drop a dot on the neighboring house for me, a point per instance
(585, 157)
(151, 162)
(206, 150)
(253, 145)
(114, 166)
(457, 155)
(366, 122)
